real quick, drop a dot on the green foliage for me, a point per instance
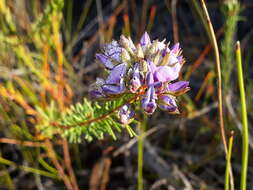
(231, 11)
(53, 8)
(86, 120)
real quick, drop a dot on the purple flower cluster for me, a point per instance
(147, 69)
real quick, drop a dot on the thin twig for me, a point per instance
(68, 164)
(88, 122)
(174, 20)
(218, 67)
(22, 143)
(52, 156)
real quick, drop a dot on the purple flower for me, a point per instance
(105, 60)
(113, 50)
(125, 114)
(136, 82)
(114, 84)
(148, 100)
(146, 70)
(145, 40)
(175, 49)
(116, 74)
(168, 103)
(178, 86)
(164, 73)
(114, 89)
(95, 90)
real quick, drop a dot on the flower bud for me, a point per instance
(127, 44)
(125, 56)
(175, 49)
(125, 114)
(168, 103)
(145, 40)
(136, 81)
(148, 101)
(143, 66)
(139, 52)
(178, 88)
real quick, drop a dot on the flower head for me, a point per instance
(147, 69)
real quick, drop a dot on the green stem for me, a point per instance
(228, 164)
(245, 140)
(142, 127)
(28, 169)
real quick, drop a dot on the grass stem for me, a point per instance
(228, 163)
(218, 68)
(245, 138)
(142, 127)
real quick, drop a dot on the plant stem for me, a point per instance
(245, 138)
(68, 164)
(142, 128)
(104, 116)
(27, 168)
(228, 164)
(58, 166)
(218, 67)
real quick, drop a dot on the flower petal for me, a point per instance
(148, 101)
(136, 81)
(113, 89)
(145, 39)
(149, 107)
(116, 74)
(95, 93)
(178, 86)
(151, 66)
(150, 79)
(167, 103)
(166, 74)
(113, 50)
(172, 59)
(104, 60)
(175, 49)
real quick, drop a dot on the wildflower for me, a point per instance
(125, 114)
(148, 100)
(136, 80)
(147, 69)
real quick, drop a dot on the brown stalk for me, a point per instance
(52, 156)
(174, 20)
(143, 18)
(218, 68)
(22, 143)
(68, 164)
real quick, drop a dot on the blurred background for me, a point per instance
(47, 54)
